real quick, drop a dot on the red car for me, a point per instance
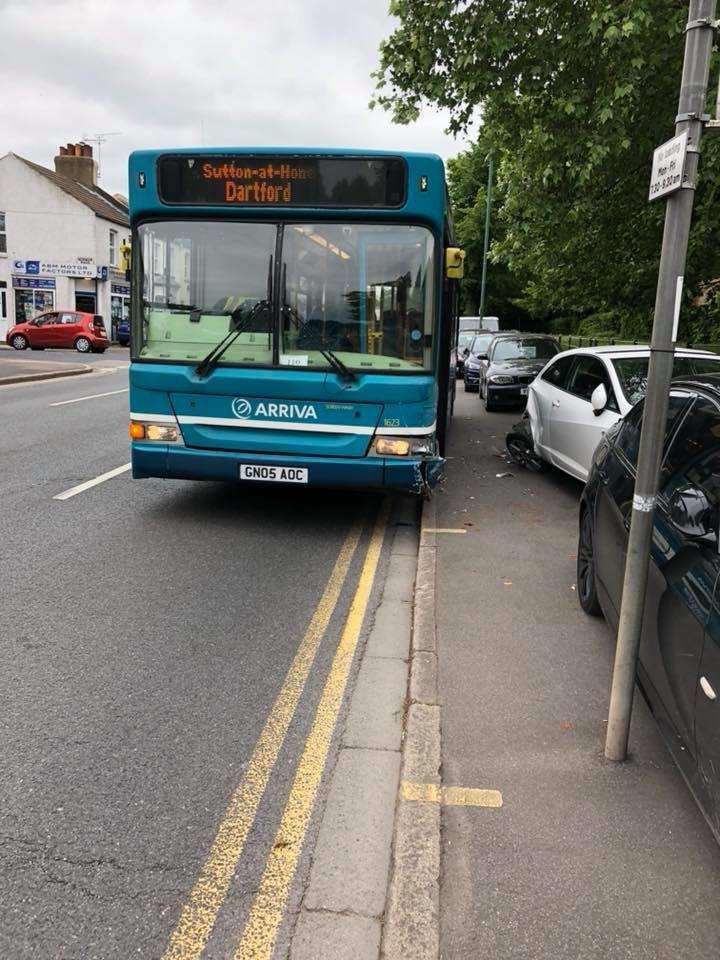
(61, 328)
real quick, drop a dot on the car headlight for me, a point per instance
(472, 364)
(404, 446)
(499, 378)
(157, 432)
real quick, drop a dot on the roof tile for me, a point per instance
(102, 204)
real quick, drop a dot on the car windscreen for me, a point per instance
(534, 348)
(633, 371)
(481, 343)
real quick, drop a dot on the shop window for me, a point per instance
(3, 234)
(113, 248)
(29, 303)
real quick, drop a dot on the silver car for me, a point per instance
(581, 393)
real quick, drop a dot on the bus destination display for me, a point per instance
(282, 181)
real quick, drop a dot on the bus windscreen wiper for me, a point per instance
(336, 363)
(238, 322)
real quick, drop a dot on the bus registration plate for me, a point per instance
(266, 473)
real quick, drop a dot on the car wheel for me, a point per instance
(19, 342)
(490, 407)
(83, 345)
(466, 388)
(586, 588)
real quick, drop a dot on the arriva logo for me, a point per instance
(241, 408)
(277, 411)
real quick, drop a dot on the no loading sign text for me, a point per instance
(668, 167)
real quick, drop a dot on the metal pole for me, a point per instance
(488, 205)
(678, 215)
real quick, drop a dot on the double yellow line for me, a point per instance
(199, 914)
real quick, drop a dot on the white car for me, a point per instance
(581, 393)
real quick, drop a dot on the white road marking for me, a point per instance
(81, 487)
(95, 396)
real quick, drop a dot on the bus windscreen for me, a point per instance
(282, 181)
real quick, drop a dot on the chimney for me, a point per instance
(75, 161)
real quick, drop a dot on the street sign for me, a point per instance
(668, 167)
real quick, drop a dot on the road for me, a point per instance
(147, 630)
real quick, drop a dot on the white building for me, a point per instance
(60, 237)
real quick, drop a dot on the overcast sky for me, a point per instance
(172, 73)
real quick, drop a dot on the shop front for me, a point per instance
(119, 301)
(38, 286)
(33, 295)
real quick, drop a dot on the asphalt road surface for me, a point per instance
(147, 629)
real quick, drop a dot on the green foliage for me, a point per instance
(574, 95)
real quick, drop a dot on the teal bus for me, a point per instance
(294, 314)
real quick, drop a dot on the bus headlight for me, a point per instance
(404, 446)
(158, 432)
(389, 447)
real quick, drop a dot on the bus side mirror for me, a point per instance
(454, 263)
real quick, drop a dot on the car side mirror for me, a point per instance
(693, 514)
(482, 356)
(599, 399)
(466, 351)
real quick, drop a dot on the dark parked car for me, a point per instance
(513, 362)
(476, 349)
(465, 339)
(123, 332)
(679, 665)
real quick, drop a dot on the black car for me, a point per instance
(475, 351)
(513, 361)
(679, 664)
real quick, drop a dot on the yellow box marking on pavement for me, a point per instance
(207, 896)
(450, 796)
(266, 914)
(444, 530)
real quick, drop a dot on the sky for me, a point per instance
(183, 73)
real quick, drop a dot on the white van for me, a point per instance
(479, 323)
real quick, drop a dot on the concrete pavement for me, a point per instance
(12, 372)
(585, 859)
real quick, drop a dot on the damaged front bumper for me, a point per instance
(418, 475)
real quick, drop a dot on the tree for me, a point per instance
(467, 182)
(573, 95)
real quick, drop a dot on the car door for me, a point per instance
(613, 504)
(707, 717)
(69, 327)
(575, 428)
(543, 392)
(484, 362)
(681, 578)
(42, 326)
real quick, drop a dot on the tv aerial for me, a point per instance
(100, 139)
